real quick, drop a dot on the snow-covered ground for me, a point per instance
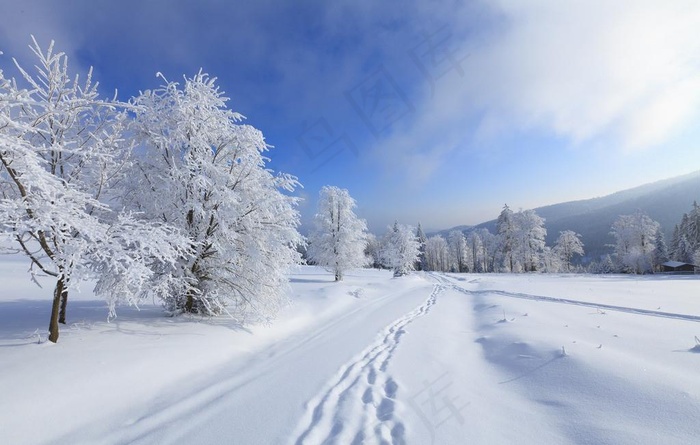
(424, 359)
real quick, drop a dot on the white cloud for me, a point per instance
(582, 69)
(621, 73)
(626, 73)
(18, 22)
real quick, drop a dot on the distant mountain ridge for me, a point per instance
(664, 201)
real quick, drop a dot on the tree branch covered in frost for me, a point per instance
(133, 261)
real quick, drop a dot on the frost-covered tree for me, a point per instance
(635, 241)
(505, 226)
(692, 227)
(521, 240)
(458, 251)
(482, 251)
(203, 172)
(420, 265)
(607, 265)
(568, 244)
(551, 261)
(490, 245)
(339, 238)
(401, 249)
(684, 249)
(62, 150)
(686, 236)
(660, 250)
(681, 245)
(696, 257)
(474, 251)
(437, 254)
(675, 239)
(373, 251)
(529, 240)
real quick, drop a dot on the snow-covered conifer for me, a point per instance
(420, 234)
(607, 265)
(660, 255)
(675, 239)
(686, 236)
(401, 249)
(505, 226)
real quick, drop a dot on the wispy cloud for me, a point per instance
(20, 20)
(474, 75)
(623, 73)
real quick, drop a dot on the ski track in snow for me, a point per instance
(363, 386)
(630, 310)
(194, 404)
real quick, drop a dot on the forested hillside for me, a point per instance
(664, 201)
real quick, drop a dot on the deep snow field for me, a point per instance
(423, 359)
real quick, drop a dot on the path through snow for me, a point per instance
(358, 406)
(425, 359)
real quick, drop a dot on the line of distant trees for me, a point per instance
(519, 246)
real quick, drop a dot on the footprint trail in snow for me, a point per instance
(359, 405)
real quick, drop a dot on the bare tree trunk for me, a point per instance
(189, 303)
(53, 324)
(64, 303)
(189, 298)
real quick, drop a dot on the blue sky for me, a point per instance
(432, 111)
